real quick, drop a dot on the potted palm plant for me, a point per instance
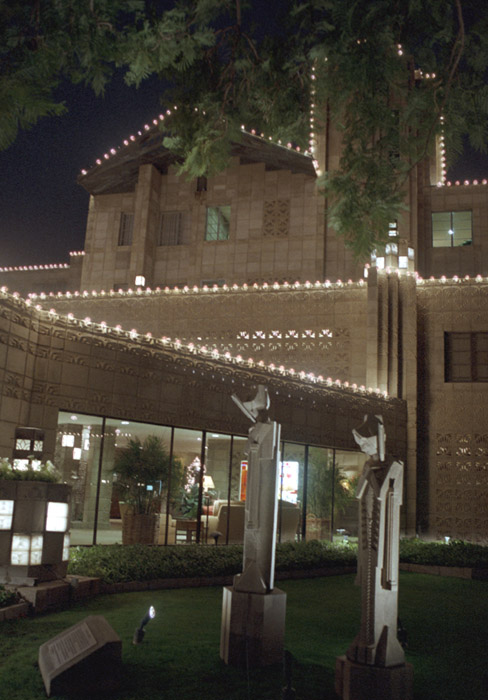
(142, 473)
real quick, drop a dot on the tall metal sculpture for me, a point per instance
(253, 611)
(374, 666)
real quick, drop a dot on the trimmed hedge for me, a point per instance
(456, 553)
(122, 563)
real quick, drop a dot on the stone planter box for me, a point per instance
(34, 531)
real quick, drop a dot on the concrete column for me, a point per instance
(146, 221)
(408, 391)
(377, 333)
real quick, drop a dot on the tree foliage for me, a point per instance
(364, 63)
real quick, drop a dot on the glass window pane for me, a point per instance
(84, 432)
(441, 225)
(349, 466)
(319, 493)
(133, 484)
(187, 449)
(291, 492)
(461, 224)
(226, 515)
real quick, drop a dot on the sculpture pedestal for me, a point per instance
(253, 628)
(354, 681)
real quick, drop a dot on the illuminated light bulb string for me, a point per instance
(196, 349)
(140, 292)
(47, 266)
(157, 122)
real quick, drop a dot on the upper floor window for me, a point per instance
(126, 228)
(218, 223)
(466, 357)
(451, 228)
(170, 228)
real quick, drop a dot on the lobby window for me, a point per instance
(466, 357)
(451, 229)
(218, 223)
(126, 228)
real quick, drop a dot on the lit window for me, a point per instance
(36, 549)
(466, 357)
(126, 228)
(22, 444)
(6, 514)
(20, 550)
(451, 229)
(218, 223)
(57, 517)
(26, 550)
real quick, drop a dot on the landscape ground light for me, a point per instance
(139, 633)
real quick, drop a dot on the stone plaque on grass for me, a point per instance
(84, 659)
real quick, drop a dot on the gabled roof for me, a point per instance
(118, 171)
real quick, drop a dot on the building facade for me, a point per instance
(244, 265)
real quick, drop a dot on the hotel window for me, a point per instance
(451, 229)
(170, 228)
(126, 228)
(466, 357)
(218, 223)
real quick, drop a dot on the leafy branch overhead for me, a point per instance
(233, 62)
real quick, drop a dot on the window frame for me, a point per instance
(220, 218)
(452, 227)
(126, 229)
(478, 356)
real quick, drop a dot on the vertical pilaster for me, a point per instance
(146, 217)
(408, 392)
(377, 333)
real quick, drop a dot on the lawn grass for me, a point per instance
(446, 620)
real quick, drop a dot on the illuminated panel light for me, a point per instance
(6, 514)
(36, 543)
(65, 556)
(402, 261)
(380, 263)
(140, 281)
(67, 441)
(76, 453)
(57, 517)
(20, 550)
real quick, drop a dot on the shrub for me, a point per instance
(117, 563)
(44, 471)
(456, 553)
(8, 597)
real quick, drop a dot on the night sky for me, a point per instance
(43, 209)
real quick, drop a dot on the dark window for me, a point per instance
(451, 229)
(170, 228)
(125, 229)
(218, 223)
(201, 184)
(466, 357)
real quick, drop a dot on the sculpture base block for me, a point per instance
(354, 681)
(253, 628)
